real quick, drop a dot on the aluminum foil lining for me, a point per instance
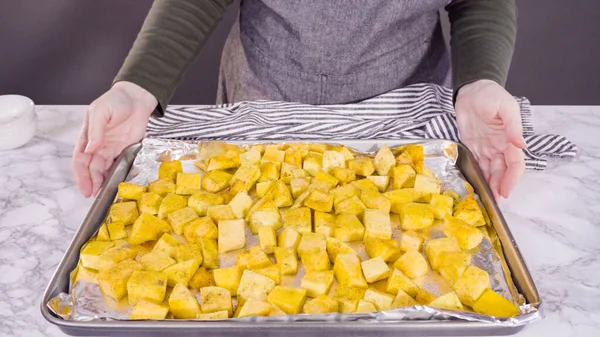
(85, 302)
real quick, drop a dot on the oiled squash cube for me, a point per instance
(316, 261)
(130, 191)
(115, 255)
(202, 227)
(223, 162)
(336, 247)
(265, 218)
(344, 192)
(377, 224)
(414, 216)
(412, 264)
(274, 156)
(181, 272)
(156, 261)
(399, 282)
(215, 181)
(201, 201)
(333, 159)
(384, 160)
(271, 272)
(183, 303)
(188, 183)
(365, 185)
(375, 269)
(324, 223)
(125, 212)
(166, 245)
(149, 310)
(471, 284)
(162, 187)
(210, 253)
(344, 175)
(169, 169)
(352, 205)
(247, 174)
(287, 260)
(381, 300)
(448, 301)
(267, 239)
(299, 186)
(187, 252)
(403, 176)
(251, 157)
(435, 248)
(293, 156)
(289, 237)
(215, 299)
(232, 235)
(362, 166)
(254, 286)
(382, 182)
(298, 219)
(410, 240)
(348, 298)
(427, 186)
(91, 252)
(147, 228)
(493, 304)
(441, 205)
(348, 228)
(269, 171)
(424, 297)
(321, 305)
(401, 197)
(170, 204)
(254, 307)
(388, 250)
(364, 307)
(264, 187)
(468, 210)
(241, 204)
(202, 278)
(322, 202)
(403, 300)
(149, 203)
(311, 243)
(213, 316)
(468, 237)
(103, 234)
(228, 278)
(280, 195)
(348, 271)
(375, 200)
(289, 299)
(313, 163)
(181, 217)
(253, 258)
(113, 280)
(220, 213)
(116, 230)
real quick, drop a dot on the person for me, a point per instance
(320, 52)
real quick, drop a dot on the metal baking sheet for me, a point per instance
(515, 267)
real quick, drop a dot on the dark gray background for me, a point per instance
(67, 51)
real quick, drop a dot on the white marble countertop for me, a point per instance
(554, 216)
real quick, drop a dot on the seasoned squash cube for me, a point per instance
(455, 196)
(333, 159)
(435, 248)
(215, 299)
(414, 216)
(348, 298)
(468, 210)
(91, 252)
(220, 213)
(468, 237)
(125, 212)
(162, 187)
(287, 260)
(344, 192)
(299, 186)
(365, 185)
(170, 204)
(286, 173)
(156, 261)
(202, 227)
(169, 169)
(375, 200)
(427, 186)
(398, 282)
(215, 181)
(201, 201)
(364, 307)
(247, 174)
(313, 163)
(311, 243)
(324, 223)
(289, 299)
(403, 300)
(233, 190)
(181, 272)
(223, 162)
(149, 310)
(362, 166)
(412, 264)
(271, 272)
(130, 191)
(202, 278)
(316, 261)
(241, 204)
(232, 235)
(388, 250)
(460, 258)
(289, 237)
(103, 234)
(441, 205)
(264, 187)
(228, 278)
(343, 175)
(384, 160)
(410, 240)
(321, 305)
(267, 239)
(293, 156)
(113, 280)
(381, 300)
(375, 269)
(451, 272)
(147, 228)
(274, 156)
(411, 154)
(269, 171)
(187, 252)
(251, 157)
(348, 154)
(493, 304)
(322, 202)
(424, 297)
(298, 219)
(377, 224)
(352, 205)
(403, 176)
(254, 307)
(146, 286)
(181, 217)
(348, 271)
(318, 147)
(320, 185)
(471, 284)
(280, 194)
(265, 218)
(188, 183)
(116, 230)
(209, 253)
(213, 316)
(166, 245)
(348, 228)
(253, 258)
(115, 255)
(150, 203)
(183, 303)
(382, 182)
(254, 286)
(399, 198)
(448, 301)
(336, 247)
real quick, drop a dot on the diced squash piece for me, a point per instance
(375, 200)
(293, 156)
(384, 160)
(254, 307)
(333, 159)
(202, 227)
(169, 169)
(202, 278)
(344, 192)
(267, 239)
(254, 286)
(316, 261)
(287, 260)
(435, 248)
(467, 236)
(181, 272)
(455, 196)
(271, 272)
(377, 224)
(412, 154)
(130, 191)
(166, 245)
(460, 258)
(253, 258)
(189, 251)
(364, 307)
(493, 304)
(181, 217)
(170, 204)
(381, 300)
(150, 203)
(149, 310)
(348, 298)
(336, 247)
(415, 216)
(471, 284)
(113, 280)
(201, 201)
(219, 315)
(289, 299)
(241, 204)
(410, 240)
(264, 218)
(311, 243)
(343, 175)
(210, 253)
(286, 174)
(103, 234)
(324, 223)
(220, 213)
(388, 250)
(299, 186)
(125, 212)
(269, 171)
(427, 186)
(298, 219)
(403, 300)
(403, 176)
(322, 202)
(116, 230)
(348, 271)
(468, 210)
(223, 162)
(424, 297)
(401, 197)
(183, 303)
(399, 282)
(365, 185)
(232, 235)
(91, 252)
(382, 182)
(321, 305)
(162, 187)
(274, 156)
(216, 299)
(281, 195)
(188, 183)
(251, 157)
(313, 163)
(228, 278)
(412, 264)
(289, 237)
(215, 181)
(375, 269)
(348, 228)
(352, 205)
(264, 187)
(156, 261)
(362, 166)
(115, 255)
(441, 205)
(448, 301)
(147, 228)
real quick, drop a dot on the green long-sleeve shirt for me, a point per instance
(483, 35)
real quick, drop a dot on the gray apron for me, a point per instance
(331, 51)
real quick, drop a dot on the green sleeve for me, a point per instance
(483, 34)
(173, 34)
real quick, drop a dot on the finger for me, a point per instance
(97, 172)
(497, 170)
(484, 164)
(515, 166)
(510, 114)
(98, 115)
(80, 163)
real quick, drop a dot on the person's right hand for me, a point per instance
(114, 121)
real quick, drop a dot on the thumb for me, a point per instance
(510, 114)
(98, 115)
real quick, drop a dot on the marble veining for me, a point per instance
(553, 215)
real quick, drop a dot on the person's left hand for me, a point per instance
(489, 123)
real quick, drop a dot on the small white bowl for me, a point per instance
(18, 121)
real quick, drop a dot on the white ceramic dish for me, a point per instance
(18, 121)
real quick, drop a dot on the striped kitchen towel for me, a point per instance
(417, 111)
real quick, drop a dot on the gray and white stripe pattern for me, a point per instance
(417, 111)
